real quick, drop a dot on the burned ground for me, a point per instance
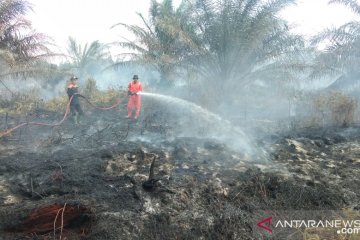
(91, 178)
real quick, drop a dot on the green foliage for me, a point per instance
(87, 59)
(223, 45)
(244, 41)
(21, 48)
(82, 55)
(165, 40)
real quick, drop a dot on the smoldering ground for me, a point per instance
(102, 164)
(203, 188)
(223, 130)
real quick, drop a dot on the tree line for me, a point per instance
(225, 45)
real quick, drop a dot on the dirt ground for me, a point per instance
(92, 181)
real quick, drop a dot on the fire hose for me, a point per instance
(7, 132)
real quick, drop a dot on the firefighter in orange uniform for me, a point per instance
(134, 98)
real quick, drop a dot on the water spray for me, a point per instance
(223, 130)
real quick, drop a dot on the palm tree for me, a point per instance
(342, 53)
(243, 37)
(165, 40)
(87, 59)
(20, 46)
(223, 45)
(242, 42)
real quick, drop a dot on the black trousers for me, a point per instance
(76, 108)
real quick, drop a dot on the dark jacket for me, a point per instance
(71, 91)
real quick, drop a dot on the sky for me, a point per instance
(85, 20)
(90, 20)
(309, 17)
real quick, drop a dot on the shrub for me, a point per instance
(26, 103)
(57, 104)
(342, 109)
(21, 103)
(335, 108)
(90, 89)
(109, 96)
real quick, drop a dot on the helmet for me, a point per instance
(135, 77)
(73, 78)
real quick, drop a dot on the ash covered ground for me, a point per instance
(87, 182)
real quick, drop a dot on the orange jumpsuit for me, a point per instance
(134, 100)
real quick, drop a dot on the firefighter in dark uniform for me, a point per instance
(75, 108)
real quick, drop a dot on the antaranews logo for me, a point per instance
(265, 224)
(302, 224)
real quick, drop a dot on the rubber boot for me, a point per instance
(79, 118)
(76, 120)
